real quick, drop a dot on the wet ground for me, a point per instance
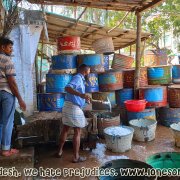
(164, 142)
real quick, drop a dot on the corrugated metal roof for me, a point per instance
(59, 26)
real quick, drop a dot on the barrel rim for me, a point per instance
(153, 122)
(174, 86)
(111, 71)
(162, 153)
(74, 55)
(128, 127)
(160, 66)
(152, 87)
(98, 54)
(173, 128)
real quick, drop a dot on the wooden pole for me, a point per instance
(130, 53)
(138, 55)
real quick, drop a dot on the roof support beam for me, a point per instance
(150, 5)
(119, 23)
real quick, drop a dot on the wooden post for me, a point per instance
(138, 55)
(130, 53)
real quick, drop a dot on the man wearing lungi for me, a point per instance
(72, 114)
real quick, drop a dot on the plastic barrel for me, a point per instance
(128, 78)
(110, 81)
(50, 101)
(64, 64)
(106, 62)
(95, 61)
(69, 44)
(149, 114)
(56, 83)
(123, 95)
(155, 95)
(176, 74)
(159, 75)
(174, 96)
(103, 96)
(167, 116)
(92, 83)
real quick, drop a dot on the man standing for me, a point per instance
(8, 92)
(72, 114)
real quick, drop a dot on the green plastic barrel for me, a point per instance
(164, 160)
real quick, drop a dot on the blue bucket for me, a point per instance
(64, 62)
(92, 83)
(56, 83)
(149, 114)
(123, 95)
(50, 102)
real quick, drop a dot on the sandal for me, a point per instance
(10, 152)
(80, 159)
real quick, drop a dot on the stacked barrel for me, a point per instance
(169, 115)
(63, 67)
(102, 82)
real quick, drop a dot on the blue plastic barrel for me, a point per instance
(123, 95)
(92, 83)
(176, 74)
(168, 116)
(159, 75)
(56, 83)
(146, 114)
(103, 96)
(95, 61)
(154, 94)
(106, 62)
(50, 101)
(64, 62)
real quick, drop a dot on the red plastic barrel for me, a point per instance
(69, 44)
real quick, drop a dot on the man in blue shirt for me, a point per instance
(72, 114)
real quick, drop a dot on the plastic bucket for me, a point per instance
(176, 133)
(144, 129)
(121, 142)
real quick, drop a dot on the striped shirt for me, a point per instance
(6, 69)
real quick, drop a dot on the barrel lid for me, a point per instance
(174, 86)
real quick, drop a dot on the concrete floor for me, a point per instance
(164, 142)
